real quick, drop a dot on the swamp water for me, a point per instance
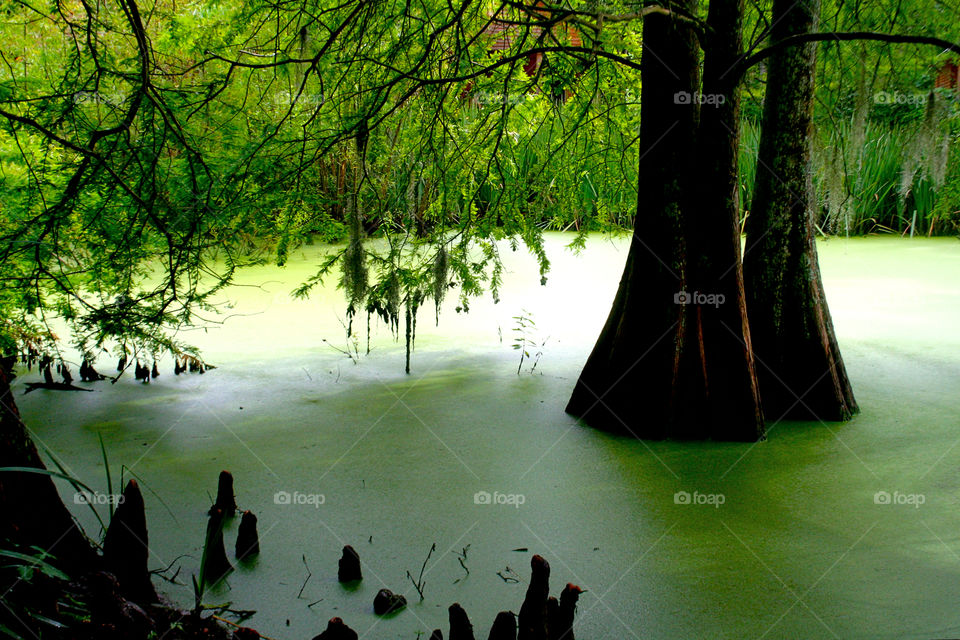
(803, 545)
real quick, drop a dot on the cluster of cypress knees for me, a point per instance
(88, 373)
(181, 364)
(541, 616)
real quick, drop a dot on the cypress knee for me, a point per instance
(460, 627)
(553, 618)
(337, 630)
(225, 498)
(248, 541)
(349, 569)
(504, 627)
(125, 546)
(387, 601)
(561, 627)
(215, 563)
(532, 621)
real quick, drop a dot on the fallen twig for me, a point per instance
(53, 386)
(511, 576)
(462, 559)
(418, 583)
(309, 575)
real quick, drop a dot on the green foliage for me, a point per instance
(749, 152)
(945, 215)
(876, 177)
(141, 172)
(527, 342)
(145, 156)
(38, 599)
(883, 177)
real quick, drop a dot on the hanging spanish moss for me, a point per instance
(934, 141)
(440, 269)
(392, 298)
(412, 304)
(384, 301)
(355, 277)
(411, 195)
(409, 335)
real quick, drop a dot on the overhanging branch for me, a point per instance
(840, 36)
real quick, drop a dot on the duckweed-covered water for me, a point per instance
(784, 539)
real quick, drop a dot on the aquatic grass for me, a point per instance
(749, 152)
(29, 568)
(884, 178)
(106, 467)
(82, 488)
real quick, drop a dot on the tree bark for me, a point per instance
(667, 364)
(799, 366)
(31, 511)
(630, 382)
(732, 396)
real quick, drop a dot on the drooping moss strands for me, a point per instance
(355, 276)
(440, 269)
(411, 197)
(412, 304)
(936, 142)
(392, 299)
(409, 334)
(418, 298)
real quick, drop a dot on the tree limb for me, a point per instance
(841, 36)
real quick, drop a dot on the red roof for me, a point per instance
(511, 32)
(948, 77)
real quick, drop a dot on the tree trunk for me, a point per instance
(631, 382)
(31, 511)
(732, 394)
(799, 365)
(667, 363)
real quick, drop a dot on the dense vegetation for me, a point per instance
(147, 152)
